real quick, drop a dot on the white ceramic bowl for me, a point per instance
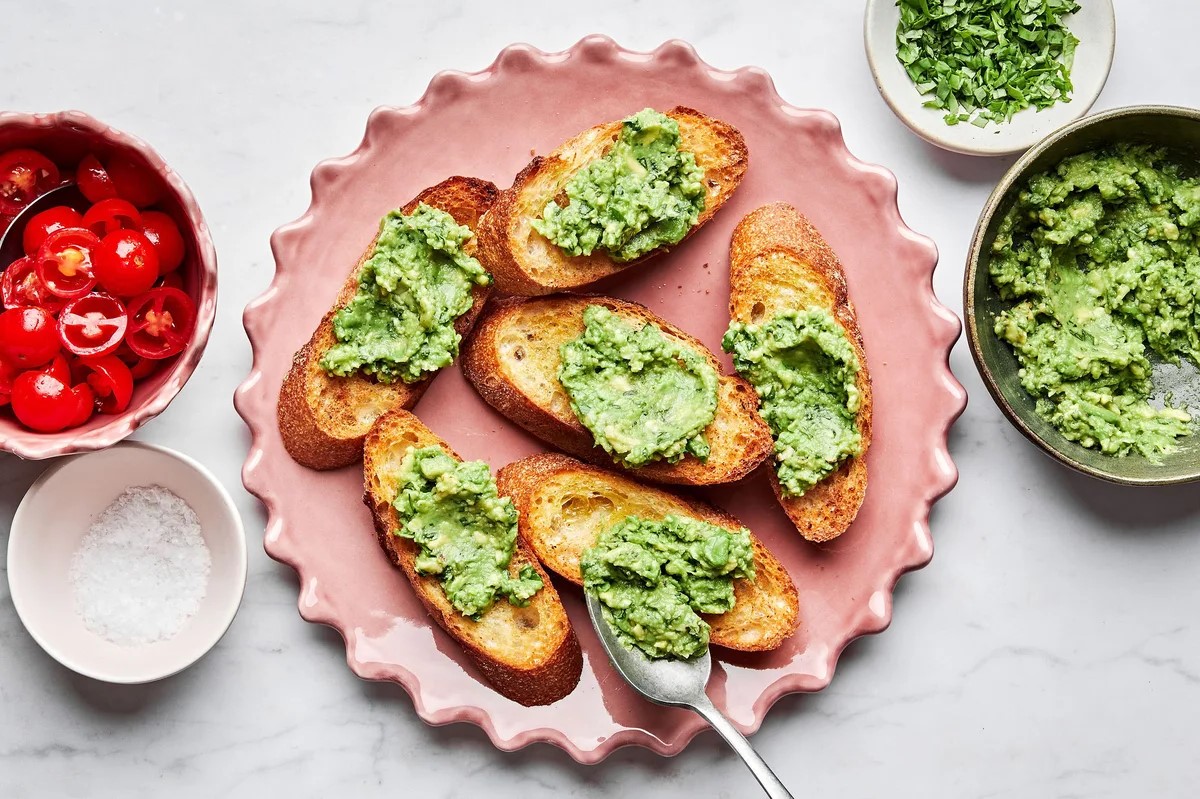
(52, 519)
(1094, 25)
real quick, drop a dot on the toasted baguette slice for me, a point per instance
(513, 359)
(525, 262)
(324, 418)
(779, 262)
(529, 654)
(564, 506)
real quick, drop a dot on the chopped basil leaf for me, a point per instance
(984, 60)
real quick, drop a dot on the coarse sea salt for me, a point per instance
(142, 568)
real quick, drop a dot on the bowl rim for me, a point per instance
(38, 446)
(15, 585)
(1012, 177)
(938, 137)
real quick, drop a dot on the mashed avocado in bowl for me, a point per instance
(1082, 295)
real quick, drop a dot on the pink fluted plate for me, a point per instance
(486, 125)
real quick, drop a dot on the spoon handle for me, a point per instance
(762, 772)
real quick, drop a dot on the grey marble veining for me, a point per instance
(1050, 649)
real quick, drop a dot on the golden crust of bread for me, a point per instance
(780, 262)
(512, 360)
(524, 262)
(564, 505)
(529, 654)
(323, 418)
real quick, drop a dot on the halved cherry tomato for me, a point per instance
(93, 180)
(93, 325)
(167, 240)
(126, 263)
(133, 181)
(44, 403)
(20, 286)
(8, 373)
(111, 215)
(160, 322)
(139, 367)
(111, 381)
(25, 175)
(66, 262)
(46, 222)
(27, 337)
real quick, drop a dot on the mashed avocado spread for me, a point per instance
(417, 282)
(805, 371)
(642, 395)
(465, 531)
(642, 194)
(1101, 260)
(654, 577)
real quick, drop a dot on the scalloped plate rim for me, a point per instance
(945, 336)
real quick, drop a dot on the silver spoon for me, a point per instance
(680, 683)
(11, 246)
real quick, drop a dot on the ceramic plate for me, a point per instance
(1094, 25)
(487, 125)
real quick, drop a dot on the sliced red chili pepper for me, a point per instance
(111, 215)
(160, 322)
(93, 180)
(8, 373)
(172, 280)
(132, 181)
(86, 403)
(110, 380)
(139, 367)
(126, 263)
(93, 325)
(60, 367)
(166, 237)
(25, 175)
(46, 222)
(43, 402)
(28, 337)
(65, 262)
(21, 287)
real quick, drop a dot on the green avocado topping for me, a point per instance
(805, 371)
(465, 531)
(642, 194)
(1101, 259)
(654, 577)
(643, 396)
(417, 282)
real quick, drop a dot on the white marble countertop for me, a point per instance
(1049, 650)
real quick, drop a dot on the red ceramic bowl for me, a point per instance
(66, 137)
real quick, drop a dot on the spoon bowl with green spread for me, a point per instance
(1080, 295)
(676, 682)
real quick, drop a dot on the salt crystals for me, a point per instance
(141, 569)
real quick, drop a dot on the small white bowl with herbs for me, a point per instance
(989, 77)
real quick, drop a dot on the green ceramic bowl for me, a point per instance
(1177, 129)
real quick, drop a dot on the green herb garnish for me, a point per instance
(985, 60)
